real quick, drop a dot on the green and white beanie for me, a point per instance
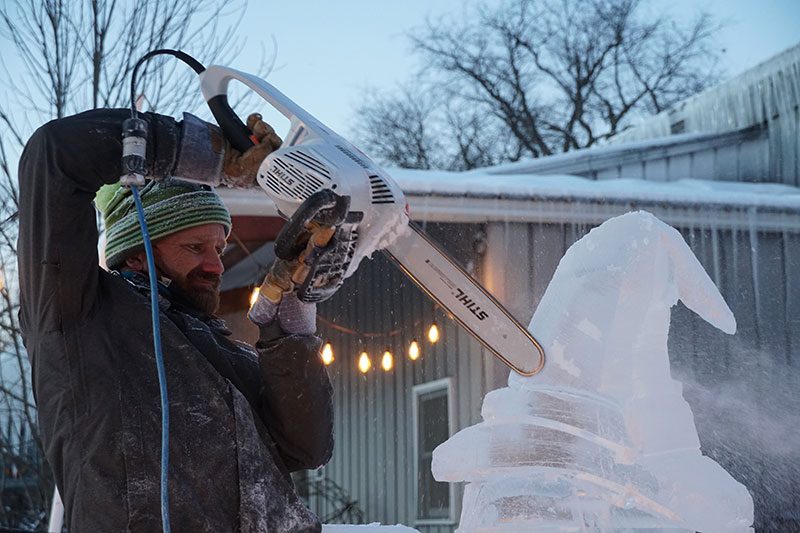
(170, 205)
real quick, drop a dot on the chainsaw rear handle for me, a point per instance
(324, 207)
(229, 122)
(214, 83)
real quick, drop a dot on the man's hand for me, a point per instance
(277, 301)
(303, 241)
(240, 169)
(289, 273)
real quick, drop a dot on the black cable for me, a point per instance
(183, 56)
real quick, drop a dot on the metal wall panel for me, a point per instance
(373, 456)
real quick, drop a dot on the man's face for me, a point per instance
(191, 259)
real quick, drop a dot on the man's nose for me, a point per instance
(212, 263)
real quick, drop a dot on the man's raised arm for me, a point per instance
(63, 165)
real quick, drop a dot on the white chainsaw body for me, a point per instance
(312, 157)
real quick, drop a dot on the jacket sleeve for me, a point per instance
(296, 399)
(62, 166)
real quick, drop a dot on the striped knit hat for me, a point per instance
(170, 205)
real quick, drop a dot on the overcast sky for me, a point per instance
(328, 52)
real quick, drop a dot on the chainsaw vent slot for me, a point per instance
(311, 162)
(286, 179)
(349, 153)
(381, 194)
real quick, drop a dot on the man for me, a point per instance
(241, 418)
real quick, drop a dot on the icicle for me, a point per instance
(769, 92)
(753, 231)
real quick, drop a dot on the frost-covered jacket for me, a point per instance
(241, 418)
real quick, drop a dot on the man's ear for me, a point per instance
(137, 262)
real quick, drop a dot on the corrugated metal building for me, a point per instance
(729, 185)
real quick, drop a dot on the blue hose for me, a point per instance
(162, 378)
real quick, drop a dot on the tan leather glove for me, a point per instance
(240, 169)
(286, 275)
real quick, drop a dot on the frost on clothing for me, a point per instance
(240, 418)
(602, 437)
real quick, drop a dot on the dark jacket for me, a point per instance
(240, 418)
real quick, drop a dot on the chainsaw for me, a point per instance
(316, 166)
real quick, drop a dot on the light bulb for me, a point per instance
(433, 333)
(327, 353)
(413, 350)
(254, 295)
(364, 364)
(387, 361)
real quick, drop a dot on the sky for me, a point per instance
(330, 52)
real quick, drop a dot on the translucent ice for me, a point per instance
(602, 438)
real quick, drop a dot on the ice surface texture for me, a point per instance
(602, 438)
(369, 528)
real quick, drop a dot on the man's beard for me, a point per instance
(202, 296)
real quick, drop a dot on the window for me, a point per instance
(432, 426)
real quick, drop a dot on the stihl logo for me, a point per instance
(476, 310)
(283, 176)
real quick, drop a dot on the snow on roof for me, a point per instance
(588, 160)
(479, 196)
(420, 183)
(563, 199)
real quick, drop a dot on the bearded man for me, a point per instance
(241, 417)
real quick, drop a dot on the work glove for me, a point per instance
(278, 298)
(240, 169)
(306, 238)
(293, 316)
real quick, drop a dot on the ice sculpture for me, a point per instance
(602, 438)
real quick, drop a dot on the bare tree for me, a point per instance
(78, 55)
(404, 124)
(552, 76)
(416, 129)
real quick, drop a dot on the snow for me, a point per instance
(369, 528)
(602, 438)
(597, 155)
(686, 191)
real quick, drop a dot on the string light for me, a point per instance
(364, 364)
(433, 333)
(254, 295)
(387, 361)
(327, 353)
(413, 350)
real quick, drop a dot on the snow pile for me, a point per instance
(602, 438)
(369, 528)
